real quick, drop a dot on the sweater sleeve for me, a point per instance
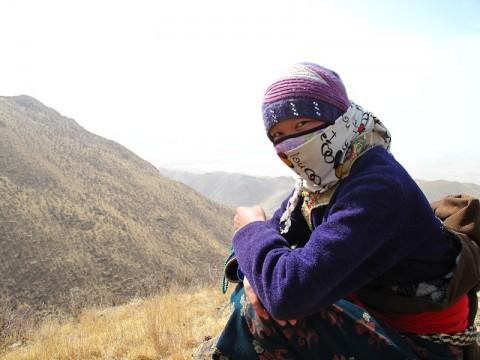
(345, 252)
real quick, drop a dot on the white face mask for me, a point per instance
(315, 156)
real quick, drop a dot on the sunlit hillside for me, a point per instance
(85, 221)
(163, 327)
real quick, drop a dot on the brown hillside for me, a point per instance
(82, 217)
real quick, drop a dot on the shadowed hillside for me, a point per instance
(83, 219)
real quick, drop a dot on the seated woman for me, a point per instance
(354, 264)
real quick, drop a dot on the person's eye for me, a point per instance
(301, 124)
(277, 134)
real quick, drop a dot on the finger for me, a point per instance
(240, 209)
(253, 299)
(260, 310)
(236, 222)
(292, 322)
(260, 211)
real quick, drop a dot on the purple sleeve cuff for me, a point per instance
(247, 237)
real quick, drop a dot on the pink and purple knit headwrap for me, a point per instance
(307, 91)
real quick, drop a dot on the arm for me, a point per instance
(245, 215)
(343, 254)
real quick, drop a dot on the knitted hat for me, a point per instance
(308, 91)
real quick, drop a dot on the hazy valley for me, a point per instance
(245, 190)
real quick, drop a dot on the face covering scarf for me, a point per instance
(323, 157)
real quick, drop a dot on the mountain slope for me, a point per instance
(83, 217)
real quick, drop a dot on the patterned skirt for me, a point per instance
(343, 331)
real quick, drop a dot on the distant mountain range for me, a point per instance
(82, 218)
(236, 189)
(245, 190)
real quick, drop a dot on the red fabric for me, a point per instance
(450, 320)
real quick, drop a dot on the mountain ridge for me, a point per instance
(84, 218)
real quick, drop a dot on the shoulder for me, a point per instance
(378, 170)
(378, 161)
(379, 182)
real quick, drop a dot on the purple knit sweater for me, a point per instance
(378, 229)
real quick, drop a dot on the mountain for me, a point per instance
(237, 189)
(435, 190)
(244, 190)
(85, 220)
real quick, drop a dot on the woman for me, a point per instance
(323, 277)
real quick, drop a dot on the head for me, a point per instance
(307, 96)
(316, 130)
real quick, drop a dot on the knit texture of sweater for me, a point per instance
(377, 229)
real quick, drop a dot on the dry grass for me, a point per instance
(164, 327)
(168, 326)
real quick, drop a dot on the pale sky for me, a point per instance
(180, 83)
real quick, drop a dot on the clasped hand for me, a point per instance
(245, 215)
